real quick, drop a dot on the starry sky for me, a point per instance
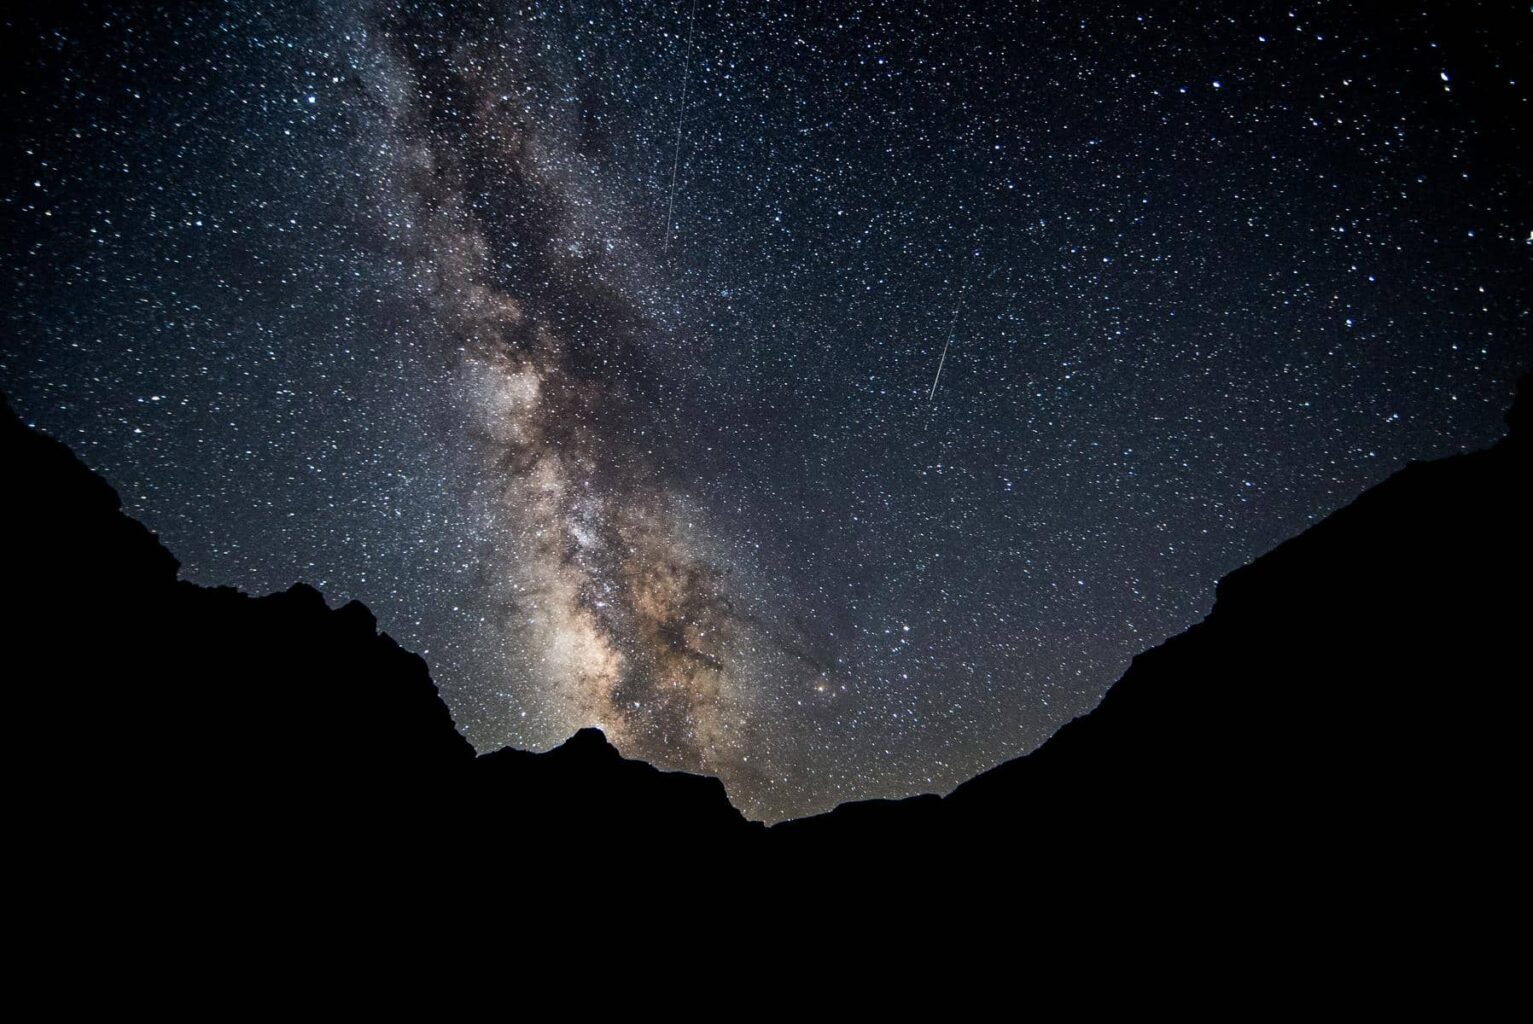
(831, 398)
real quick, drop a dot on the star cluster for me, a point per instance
(596, 345)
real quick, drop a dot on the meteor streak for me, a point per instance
(686, 69)
(950, 331)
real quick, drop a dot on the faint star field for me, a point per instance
(831, 398)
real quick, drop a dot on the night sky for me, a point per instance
(596, 346)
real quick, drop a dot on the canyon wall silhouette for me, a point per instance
(1342, 730)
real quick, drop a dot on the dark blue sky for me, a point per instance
(381, 297)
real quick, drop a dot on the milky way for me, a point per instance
(606, 603)
(832, 400)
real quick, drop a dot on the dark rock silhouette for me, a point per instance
(205, 731)
(1362, 676)
(1344, 726)
(1332, 759)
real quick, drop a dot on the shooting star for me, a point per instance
(953, 327)
(686, 70)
